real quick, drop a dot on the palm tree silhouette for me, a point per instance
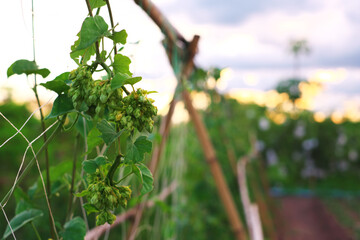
(297, 48)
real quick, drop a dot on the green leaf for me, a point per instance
(62, 104)
(100, 160)
(93, 139)
(88, 123)
(64, 77)
(92, 29)
(20, 194)
(10, 70)
(127, 169)
(22, 206)
(147, 179)
(90, 166)
(23, 201)
(135, 151)
(108, 132)
(27, 67)
(121, 79)
(83, 193)
(32, 190)
(137, 172)
(57, 185)
(97, 3)
(133, 80)
(121, 64)
(21, 219)
(57, 173)
(119, 37)
(58, 85)
(74, 229)
(103, 55)
(90, 208)
(85, 54)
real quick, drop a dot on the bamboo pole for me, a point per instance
(164, 132)
(160, 20)
(265, 216)
(260, 186)
(211, 159)
(251, 210)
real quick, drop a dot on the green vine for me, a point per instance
(117, 113)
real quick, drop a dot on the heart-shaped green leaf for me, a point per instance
(26, 67)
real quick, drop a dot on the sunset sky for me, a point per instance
(250, 39)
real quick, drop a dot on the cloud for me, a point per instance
(230, 11)
(257, 33)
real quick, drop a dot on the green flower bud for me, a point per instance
(77, 105)
(111, 218)
(107, 189)
(103, 98)
(108, 89)
(112, 200)
(118, 117)
(137, 113)
(92, 99)
(72, 75)
(141, 99)
(101, 218)
(98, 109)
(123, 120)
(88, 74)
(129, 110)
(75, 97)
(94, 199)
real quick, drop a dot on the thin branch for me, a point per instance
(71, 193)
(112, 22)
(82, 174)
(89, 8)
(35, 230)
(97, 42)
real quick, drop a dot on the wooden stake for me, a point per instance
(211, 159)
(251, 210)
(260, 198)
(164, 132)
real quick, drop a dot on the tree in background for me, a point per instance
(298, 47)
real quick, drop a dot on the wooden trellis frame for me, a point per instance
(188, 51)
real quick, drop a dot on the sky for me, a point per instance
(248, 38)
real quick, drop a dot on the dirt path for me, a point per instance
(307, 219)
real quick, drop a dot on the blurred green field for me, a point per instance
(320, 158)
